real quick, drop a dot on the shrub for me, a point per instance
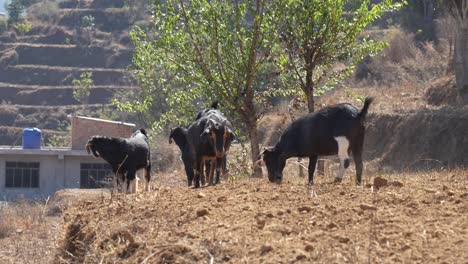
(23, 28)
(8, 58)
(47, 11)
(81, 87)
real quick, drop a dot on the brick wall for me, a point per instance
(83, 128)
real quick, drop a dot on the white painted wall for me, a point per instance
(55, 173)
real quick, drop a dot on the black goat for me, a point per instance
(125, 155)
(179, 135)
(332, 130)
(214, 106)
(210, 136)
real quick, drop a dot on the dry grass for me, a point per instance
(27, 233)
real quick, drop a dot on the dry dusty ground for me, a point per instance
(415, 218)
(29, 229)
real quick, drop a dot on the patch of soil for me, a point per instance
(257, 222)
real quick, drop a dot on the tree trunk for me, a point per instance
(461, 60)
(254, 146)
(310, 102)
(309, 87)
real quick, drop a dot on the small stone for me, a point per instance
(264, 249)
(304, 209)
(201, 195)
(202, 212)
(367, 207)
(19, 231)
(331, 225)
(396, 184)
(450, 193)
(301, 256)
(430, 190)
(380, 182)
(342, 239)
(309, 248)
(342, 193)
(261, 223)
(222, 199)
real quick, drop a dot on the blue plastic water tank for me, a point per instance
(32, 138)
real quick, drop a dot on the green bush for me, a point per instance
(23, 28)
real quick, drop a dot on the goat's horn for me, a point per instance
(87, 148)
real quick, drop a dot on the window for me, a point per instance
(95, 175)
(22, 174)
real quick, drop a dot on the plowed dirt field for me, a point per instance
(419, 218)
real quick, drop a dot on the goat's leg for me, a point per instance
(281, 165)
(131, 181)
(198, 170)
(203, 176)
(211, 173)
(189, 172)
(343, 145)
(120, 180)
(207, 170)
(357, 155)
(147, 177)
(220, 165)
(312, 164)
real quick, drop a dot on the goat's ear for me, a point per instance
(205, 136)
(170, 135)
(231, 134)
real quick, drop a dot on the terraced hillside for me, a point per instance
(37, 68)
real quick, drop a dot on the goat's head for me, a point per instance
(219, 135)
(179, 135)
(93, 145)
(270, 158)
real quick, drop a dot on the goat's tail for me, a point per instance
(365, 108)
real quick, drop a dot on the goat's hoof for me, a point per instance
(338, 180)
(346, 163)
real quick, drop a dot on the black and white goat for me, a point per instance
(333, 130)
(125, 155)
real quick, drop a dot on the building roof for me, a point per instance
(106, 121)
(44, 151)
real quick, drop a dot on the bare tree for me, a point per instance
(459, 10)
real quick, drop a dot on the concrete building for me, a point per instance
(39, 173)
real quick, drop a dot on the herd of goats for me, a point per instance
(337, 129)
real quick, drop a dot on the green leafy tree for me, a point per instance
(15, 9)
(205, 50)
(81, 87)
(319, 34)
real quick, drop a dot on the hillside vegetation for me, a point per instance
(65, 39)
